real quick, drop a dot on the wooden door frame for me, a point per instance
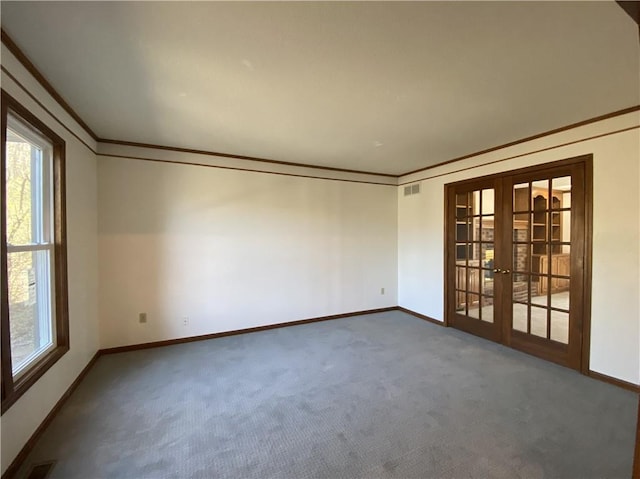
(587, 161)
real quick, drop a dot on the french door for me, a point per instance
(518, 259)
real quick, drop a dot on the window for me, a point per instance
(34, 318)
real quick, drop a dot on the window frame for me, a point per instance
(13, 387)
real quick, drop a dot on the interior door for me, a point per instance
(473, 231)
(546, 245)
(516, 259)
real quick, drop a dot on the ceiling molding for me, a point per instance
(632, 8)
(240, 157)
(31, 68)
(234, 168)
(41, 105)
(606, 116)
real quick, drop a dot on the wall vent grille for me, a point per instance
(412, 189)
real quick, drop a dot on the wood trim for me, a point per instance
(28, 447)
(616, 382)
(31, 68)
(636, 456)
(588, 265)
(13, 390)
(421, 316)
(520, 155)
(191, 163)
(606, 116)
(41, 105)
(240, 157)
(5, 342)
(631, 8)
(204, 337)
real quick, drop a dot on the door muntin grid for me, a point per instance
(541, 257)
(474, 254)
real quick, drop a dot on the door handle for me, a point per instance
(503, 271)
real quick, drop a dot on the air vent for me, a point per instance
(412, 189)
(41, 471)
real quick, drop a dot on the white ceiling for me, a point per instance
(387, 86)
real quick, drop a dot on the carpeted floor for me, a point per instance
(383, 395)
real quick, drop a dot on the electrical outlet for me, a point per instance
(381, 290)
(142, 317)
(185, 321)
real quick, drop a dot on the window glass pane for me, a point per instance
(30, 324)
(24, 200)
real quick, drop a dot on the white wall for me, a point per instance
(21, 420)
(615, 320)
(235, 249)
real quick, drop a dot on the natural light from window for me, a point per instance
(30, 245)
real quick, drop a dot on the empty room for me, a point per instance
(320, 240)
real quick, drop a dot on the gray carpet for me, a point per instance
(377, 396)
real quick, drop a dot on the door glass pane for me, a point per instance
(520, 313)
(538, 290)
(487, 282)
(560, 260)
(560, 299)
(487, 309)
(462, 230)
(488, 206)
(462, 250)
(520, 229)
(487, 228)
(539, 321)
(521, 258)
(562, 192)
(487, 255)
(540, 195)
(475, 202)
(461, 278)
(560, 327)
(520, 288)
(474, 305)
(521, 197)
(475, 229)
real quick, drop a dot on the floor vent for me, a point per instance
(412, 189)
(41, 471)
